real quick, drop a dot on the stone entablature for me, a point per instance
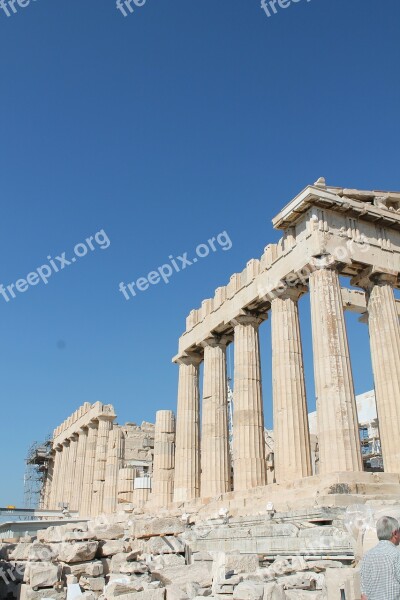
(81, 418)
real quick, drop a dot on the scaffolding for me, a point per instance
(37, 465)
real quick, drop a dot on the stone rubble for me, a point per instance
(151, 559)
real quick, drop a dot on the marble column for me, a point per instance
(249, 466)
(292, 454)
(45, 492)
(56, 478)
(80, 469)
(70, 470)
(62, 487)
(126, 484)
(115, 454)
(337, 423)
(105, 426)
(384, 331)
(215, 459)
(164, 459)
(187, 453)
(87, 488)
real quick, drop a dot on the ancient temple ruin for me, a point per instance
(96, 464)
(330, 235)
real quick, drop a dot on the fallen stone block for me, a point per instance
(173, 592)
(118, 588)
(146, 595)
(91, 569)
(111, 547)
(281, 566)
(172, 560)
(50, 535)
(20, 552)
(106, 562)
(27, 593)
(322, 565)
(192, 589)
(42, 552)
(299, 563)
(111, 532)
(202, 557)
(248, 590)
(163, 545)
(42, 575)
(94, 584)
(78, 552)
(133, 568)
(241, 563)
(144, 528)
(274, 591)
(116, 561)
(265, 573)
(78, 536)
(300, 581)
(183, 574)
(336, 579)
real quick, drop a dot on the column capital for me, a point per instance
(82, 430)
(190, 358)
(325, 261)
(65, 443)
(372, 276)
(248, 318)
(73, 437)
(215, 341)
(94, 424)
(106, 417)
(291, 292)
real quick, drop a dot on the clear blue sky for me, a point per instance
(165, 128)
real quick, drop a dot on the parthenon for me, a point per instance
(329, 234)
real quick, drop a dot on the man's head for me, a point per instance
(387, 528)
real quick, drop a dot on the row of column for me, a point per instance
(338, 435)
(85, 470)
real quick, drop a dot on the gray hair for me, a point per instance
(385, 527)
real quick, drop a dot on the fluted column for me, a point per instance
(45, 495)
(215, 459)
(56, 478)
(249, 466)
(115, 455)
(338, 436)
(187, 453)
(105, 426)
(61, 487)
(292, 454)
(87, 489)
(70, 470)
(164, 459)
(384, 331)
(80, 469)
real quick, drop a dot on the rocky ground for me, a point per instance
(147, 558)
